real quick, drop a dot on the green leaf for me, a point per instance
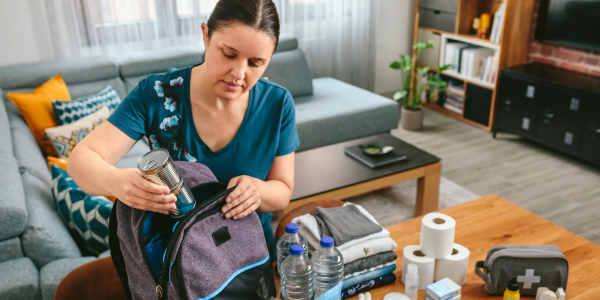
(406, 62)
(399, 95)
(396, 65)
(445, 67)
(423, 70)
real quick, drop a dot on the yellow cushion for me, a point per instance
(62, 163)
(36, 108)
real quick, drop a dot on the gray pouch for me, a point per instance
(533, 266)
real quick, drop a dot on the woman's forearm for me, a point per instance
(274, 194)
(90, 171)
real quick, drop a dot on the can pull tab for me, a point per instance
(159, 292)
(150, 165)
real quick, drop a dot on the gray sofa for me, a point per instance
(36, 249)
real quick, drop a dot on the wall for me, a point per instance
(571, 59)
(24, 32)
(394, 37)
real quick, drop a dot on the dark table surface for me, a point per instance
(328, 168)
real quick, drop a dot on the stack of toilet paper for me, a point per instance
(437, 256)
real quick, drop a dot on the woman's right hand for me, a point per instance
(131, 188)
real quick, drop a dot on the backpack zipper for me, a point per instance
(176, 233)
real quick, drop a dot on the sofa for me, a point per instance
(36, 248)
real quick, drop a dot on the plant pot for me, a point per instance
(411, 119)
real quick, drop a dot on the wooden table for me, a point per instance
(328, 173)
(490, 221)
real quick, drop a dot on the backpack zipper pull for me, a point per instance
(159, 291)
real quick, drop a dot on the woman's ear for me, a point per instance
(205, 35)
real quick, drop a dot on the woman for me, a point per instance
(220, 113)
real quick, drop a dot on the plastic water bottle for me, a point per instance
(297, 276)
(290, 237)
(328, 264)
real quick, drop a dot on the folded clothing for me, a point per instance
(352, 250)
(368, 285)
(344, 223)
(370, 262)
(368, 276)
(369, 270)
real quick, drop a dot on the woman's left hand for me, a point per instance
(244, 199)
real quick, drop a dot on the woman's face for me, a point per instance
(236, 57)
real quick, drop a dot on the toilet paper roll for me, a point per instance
(437, 235)
(426, 265)
(453, 266)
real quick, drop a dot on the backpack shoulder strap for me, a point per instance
(115, 249)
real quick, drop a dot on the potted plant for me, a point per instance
(411, 115)
(436, 84)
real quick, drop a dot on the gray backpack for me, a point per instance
(199, 256)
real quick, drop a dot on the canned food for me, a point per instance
(158, 167)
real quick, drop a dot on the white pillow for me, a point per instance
(65, 137)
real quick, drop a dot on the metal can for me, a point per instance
(158, 167)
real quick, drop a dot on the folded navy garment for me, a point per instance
(369, 262)
(344, 223)
(369, 285)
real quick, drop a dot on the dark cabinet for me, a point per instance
(590, 148)
(556, 107)
(478, 102)
(518, 105)
(562, 116)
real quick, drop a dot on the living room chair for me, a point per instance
(95, 280)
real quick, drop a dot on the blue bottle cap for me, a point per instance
(327, 242)
(291, 228)
(296, 249)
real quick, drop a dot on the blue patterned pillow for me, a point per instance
(86, 216)
(69, 111)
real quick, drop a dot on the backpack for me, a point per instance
(201, 255)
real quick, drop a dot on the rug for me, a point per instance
(398, 204)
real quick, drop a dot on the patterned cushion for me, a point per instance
(86, 216)
(69, 111)
(65, 137)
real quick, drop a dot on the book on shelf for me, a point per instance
(493, 69)
(458, 58)
(450, 53)
(496, 32)
(454, 108)
(472, 60)
(455, 103)
(458, 99)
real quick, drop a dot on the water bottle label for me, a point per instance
(413, 287)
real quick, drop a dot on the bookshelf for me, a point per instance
(511, 51)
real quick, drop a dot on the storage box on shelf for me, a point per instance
(433, 22)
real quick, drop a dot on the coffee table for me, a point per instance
(328, 173)
(490, 221)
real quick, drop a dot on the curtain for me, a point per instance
(337, 36)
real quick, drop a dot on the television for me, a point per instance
(570, 23)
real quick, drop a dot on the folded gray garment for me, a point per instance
(346, 223)
(369, 262)
(323, 231)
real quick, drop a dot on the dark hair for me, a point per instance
(261, 15)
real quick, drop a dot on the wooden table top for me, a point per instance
(490, 221)
(328, 168)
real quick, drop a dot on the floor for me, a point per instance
(556, 187)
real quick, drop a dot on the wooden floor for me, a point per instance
(556, 187)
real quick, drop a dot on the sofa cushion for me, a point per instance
(66, 137)
(46, 237)
(131, 82)
(13, 211)
(6, 146)
(36, 108)
(53, 273)
(85, 215)
(19, 280)
(158, 61)
(290, 70)
(10, 249)
(286, 42)
(73, 70)
(70, 111)
(27, 152)
(133, 156)
(92, 87)
(338, 112)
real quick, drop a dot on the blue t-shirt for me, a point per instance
(159, 108)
